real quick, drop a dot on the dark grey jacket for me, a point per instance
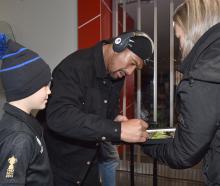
(80, 116)
(198, 131)
(23, 154)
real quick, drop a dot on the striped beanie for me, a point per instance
(23, 72)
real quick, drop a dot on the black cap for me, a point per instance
(23, 72)
(141, 46)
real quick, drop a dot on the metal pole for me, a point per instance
(124, 107)
(115, 18)
(155, 61)
(155, 85)
(132, 165)
(138, 114)
(171, 64)
(124, 102)
(155, 172)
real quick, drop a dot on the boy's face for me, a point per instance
(124, 63)
(38, 100)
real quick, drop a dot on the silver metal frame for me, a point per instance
(138, 106)
(125, 82)
(155, 62)
(171, 64)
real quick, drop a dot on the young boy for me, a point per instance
(23, 155)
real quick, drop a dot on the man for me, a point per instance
(81, 112)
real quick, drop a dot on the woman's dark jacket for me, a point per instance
(80, 116)
(23, 154)
(198, 131)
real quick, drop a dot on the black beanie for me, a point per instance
(23, 72)
(141, 46)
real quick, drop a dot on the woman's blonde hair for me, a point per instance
(195, 17)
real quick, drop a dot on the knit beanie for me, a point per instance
(138, 42)
(23, 72)
(142, 47)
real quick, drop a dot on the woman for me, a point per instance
(196, 24)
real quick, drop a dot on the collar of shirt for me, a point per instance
(204, 42)
(101, 71)
(29, 120)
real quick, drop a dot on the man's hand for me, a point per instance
(120, 118)
(134, 131)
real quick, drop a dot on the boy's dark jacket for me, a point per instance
(24, 159)
(198, 100)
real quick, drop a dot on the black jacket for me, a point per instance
(80, 116)
(198, 131)
(24, 159)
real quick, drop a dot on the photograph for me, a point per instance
(161, 133)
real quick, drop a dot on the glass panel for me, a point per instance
(163, 76)
(143, 163)
(147, 72)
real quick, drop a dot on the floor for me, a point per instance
(123, 179)
(166, 176)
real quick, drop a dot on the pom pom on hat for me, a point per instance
(23, 72)
(3, 44)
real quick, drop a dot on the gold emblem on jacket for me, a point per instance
(10, 171)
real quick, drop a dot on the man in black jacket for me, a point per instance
(81, 112)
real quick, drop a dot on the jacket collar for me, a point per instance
(206, 40)
(101, 71)
(29, 120)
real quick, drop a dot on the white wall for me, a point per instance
(49, 27)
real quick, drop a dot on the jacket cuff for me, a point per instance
(112, 132)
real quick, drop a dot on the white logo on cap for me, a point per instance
(117, 40)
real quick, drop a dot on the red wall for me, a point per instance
(94, 21)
